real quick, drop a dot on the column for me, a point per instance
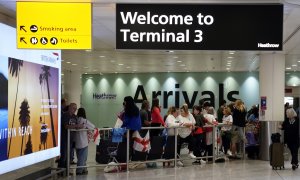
(271, 87)
(71, 87)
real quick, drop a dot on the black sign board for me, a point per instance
(199, 26)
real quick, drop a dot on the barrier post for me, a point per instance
(175, 153)
(213, 143)
(68, 153)
(127, 153)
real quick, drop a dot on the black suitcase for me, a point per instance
(102, 154)
(276, 155)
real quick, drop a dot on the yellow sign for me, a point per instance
(42, 25)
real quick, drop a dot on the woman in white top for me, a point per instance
(171, 121)
(81, 141)
(185, 134)
(226, 133)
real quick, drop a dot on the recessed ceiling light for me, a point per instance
(62, 74)
(294, 65)
(86, 67)
(101, 74)
(231, 52)
(187, 71)
(182, 64)
(227, 68)
(175, 57)
(168, 71)
(112, 61)
(134, 70)
(102, 56)
(95, 70)
(116, 72)
(68, 62)
(88, 50)
(288, 68)
(85, 73)
(179, 61)
(74, 64)
(120, 64)
(62, 60)
(228, 64)
(230, 57)
(299, 61)
(128, 67)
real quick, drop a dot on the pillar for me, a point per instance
(71, 87)
(271, 87)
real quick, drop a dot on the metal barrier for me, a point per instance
(214, 156)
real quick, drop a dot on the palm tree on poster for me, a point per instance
(14, 66)
(24, 118)
(45, 77)
(28, 148)
(43, 134)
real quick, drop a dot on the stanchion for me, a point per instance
(68, 153)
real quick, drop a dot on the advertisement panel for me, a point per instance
(29, 103)
(199, 26)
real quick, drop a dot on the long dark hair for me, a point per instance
(81, 113)
(131, 109)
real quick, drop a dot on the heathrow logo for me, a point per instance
(267, 45)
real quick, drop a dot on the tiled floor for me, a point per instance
(235, 169)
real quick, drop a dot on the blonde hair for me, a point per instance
(239, 104)
(185, 108)
(227, 111)
(171, 110)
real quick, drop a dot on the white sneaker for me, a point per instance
(229, 153)
(192, 155)
(179, 163)
(202, 161)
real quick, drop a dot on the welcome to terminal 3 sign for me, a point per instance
(199, 26)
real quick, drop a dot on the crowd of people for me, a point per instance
(239, 127)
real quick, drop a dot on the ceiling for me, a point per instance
(104, 58)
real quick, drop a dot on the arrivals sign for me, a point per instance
(199, 26)
(42, 25)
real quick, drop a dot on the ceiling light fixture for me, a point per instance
(175, 57)
(101, 56)
(74, 64)
(179, 61)
(288, 68)
(120, 64)
(230, 57)
(88, 50)
(294, 65)
(231, 52)
(68, 62)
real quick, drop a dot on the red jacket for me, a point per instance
(156, 117)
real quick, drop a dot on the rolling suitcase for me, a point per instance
(276, 155)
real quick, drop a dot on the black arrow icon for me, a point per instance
(22, 28)
(23, 39)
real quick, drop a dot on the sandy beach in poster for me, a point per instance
(32, 108)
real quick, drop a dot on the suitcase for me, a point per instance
(102, 155)
(276, 155)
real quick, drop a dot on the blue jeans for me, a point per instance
(81, 159)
